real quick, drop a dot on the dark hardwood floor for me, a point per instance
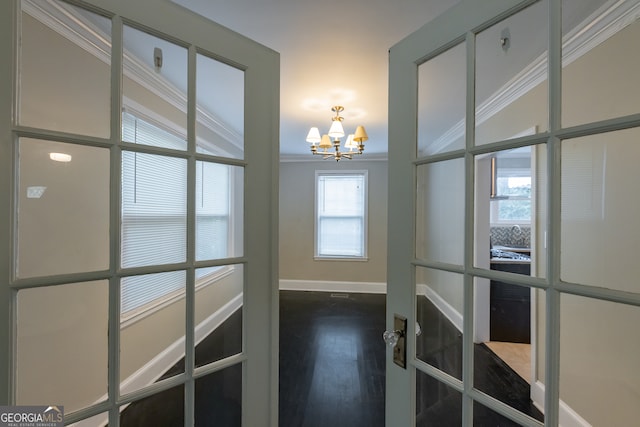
(332, 359)
(332, 370)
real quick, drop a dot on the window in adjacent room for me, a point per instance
(514, 203)
(341, 214)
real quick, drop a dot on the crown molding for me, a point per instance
(66, 21)
(594, 30)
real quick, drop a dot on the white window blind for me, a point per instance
(154, 209)
(142, 132)
(154, 217)
(212, 210)
(341, 214)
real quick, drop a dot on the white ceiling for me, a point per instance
(332, 52)
(335, 52)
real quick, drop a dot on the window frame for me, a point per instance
(365, 214)
(494, 205)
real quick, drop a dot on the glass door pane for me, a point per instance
(437, 404)
(154, 91)
(601, 64)
(599, 378)
(442, 86)
(154, 209)
(439, 314)
(219, 211)
(60, 342)
(152, 328)
(162, 408)
(511, 76)
(440, 211)
(220, 108)
(507, 345)
(65, 69)
(218, 313)
(600, 203)
(219, 397)
(63, 208)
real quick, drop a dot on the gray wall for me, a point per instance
(297, 195)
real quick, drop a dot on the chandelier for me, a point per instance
(354, 142)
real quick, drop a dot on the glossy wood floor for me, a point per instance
(332, 370)
(332, 359)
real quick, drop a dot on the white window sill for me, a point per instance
(339, 258)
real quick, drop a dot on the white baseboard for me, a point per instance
(332, 286)
(156, 367)
(568, 417)
(445, 308)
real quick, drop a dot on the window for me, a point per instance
(154, 218)
(341, 214)
(514, 203)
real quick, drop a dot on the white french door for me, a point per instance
(139, 159)
(546, 90)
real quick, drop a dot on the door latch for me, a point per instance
(396, 339)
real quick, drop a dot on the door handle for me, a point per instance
(396, 339)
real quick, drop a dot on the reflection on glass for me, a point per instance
(440, 226)
(483, 416)
(599, 377)
(600, 205)
(61, 342)
(219, 210)
(439, 309)
(63, 209)
(436, 403)
(218, 313)
(152, 323)
(601, 63)
(220, 108)
(511, 75)
(154, 88)
(154, 213)
(168, 410)
(442, 86)
(49, 81)
(219, 397)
